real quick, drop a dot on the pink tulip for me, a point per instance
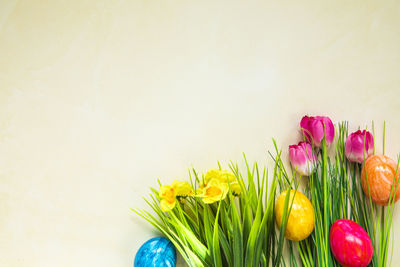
(355, 146)
(313, 129)
(302, 158)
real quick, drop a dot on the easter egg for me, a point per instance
(301, 218)
(380, 171)
(350, 244)
(157, 251)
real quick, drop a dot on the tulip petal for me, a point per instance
(359, 145)
(315, 128)
(302, 158)
(304, 125)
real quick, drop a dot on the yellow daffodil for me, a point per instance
(168, 197)
(235, 188)
(168, 194)
(214, 191)
(223, 176)
(227, 177)
(211, 174)
(182, 189)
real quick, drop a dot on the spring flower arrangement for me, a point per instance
(220, 218)
(333, 207)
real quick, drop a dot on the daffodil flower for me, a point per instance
(224, 177)
(182, 189)
(169, 194)
(221, 175)
(211, 174)
(214, 191)
(235, 188)
(227, 177)
(168, 197)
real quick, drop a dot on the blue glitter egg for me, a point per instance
(156, 252)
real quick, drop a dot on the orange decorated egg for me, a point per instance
(380, 171)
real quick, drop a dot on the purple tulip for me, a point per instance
(313, 129)
(355, 146)
(302, 158)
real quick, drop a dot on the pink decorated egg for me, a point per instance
(350, 244)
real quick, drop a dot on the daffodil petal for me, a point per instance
(167, 205)
(227, 177)
(235, 188)
(214, 191)
(182, 188)
(212, 174)
(166, 191)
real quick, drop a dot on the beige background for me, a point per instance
(99, 98)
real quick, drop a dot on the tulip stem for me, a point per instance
(325, 183)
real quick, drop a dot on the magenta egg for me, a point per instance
(350, 244)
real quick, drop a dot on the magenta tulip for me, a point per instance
(315, 128)
(302, 158)
(358, 145)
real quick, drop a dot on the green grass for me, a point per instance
(241, 231)
(237, 231)
(336, 193)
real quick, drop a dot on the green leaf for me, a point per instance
(215, 249)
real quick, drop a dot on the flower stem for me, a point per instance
(325, 185)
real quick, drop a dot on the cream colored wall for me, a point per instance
(99, 98)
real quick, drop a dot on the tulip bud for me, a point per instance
(315, 128)
(302, 158)
(357, 144)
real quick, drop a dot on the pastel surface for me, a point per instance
(100, 98)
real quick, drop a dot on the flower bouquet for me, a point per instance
(251, 217)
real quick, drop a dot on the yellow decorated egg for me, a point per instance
(301, 219)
